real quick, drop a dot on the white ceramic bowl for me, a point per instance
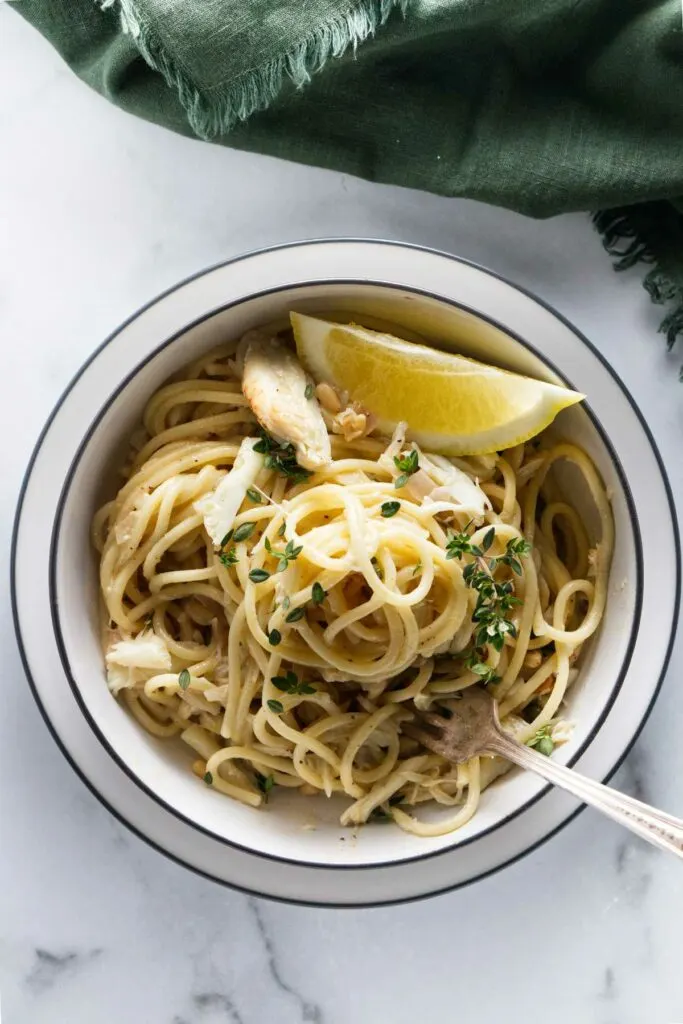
(457, 306)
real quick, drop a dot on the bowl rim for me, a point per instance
(441, 298)
(55, 604)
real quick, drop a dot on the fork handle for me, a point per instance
(655, 826)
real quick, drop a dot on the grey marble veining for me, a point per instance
(50, 968)
(98, 213)
(309, 1011)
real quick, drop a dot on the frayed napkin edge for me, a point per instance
(258, 88)
(629, 235)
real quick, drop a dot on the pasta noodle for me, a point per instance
(290, 654)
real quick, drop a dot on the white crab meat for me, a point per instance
(275, 385)
(456, 486)
(134, 658)
(562, 732)
(439, 482)
(220, 507)
(146, 650)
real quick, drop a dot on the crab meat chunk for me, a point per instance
(277, 388)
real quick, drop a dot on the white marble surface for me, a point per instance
(98, 213)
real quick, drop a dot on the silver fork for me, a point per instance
(473, 729)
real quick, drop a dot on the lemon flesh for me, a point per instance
(452, 404)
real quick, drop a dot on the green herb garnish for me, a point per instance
(308, 391)
(460, 544)
(417, 569)
(377, 567)
(318, 594)
(275, 706)
(515, 549)
(274, 637)
(289, 554)
(495, 600)
(281, 531)
(244, 531)
(259, 575)
(228, 558)
(285, 603)
(542, 741)
(208, 778)
(407, 465)
(281, 456)
(184, 679)
(489, 538)
(494, 603)
(390, 508)
(289, 683)
(254, 495)
(265, 783)
(295, 614)
(481, 669)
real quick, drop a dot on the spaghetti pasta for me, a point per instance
(290, 651)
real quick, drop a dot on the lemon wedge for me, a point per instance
(452, 404)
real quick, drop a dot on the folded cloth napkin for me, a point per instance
(542, 106)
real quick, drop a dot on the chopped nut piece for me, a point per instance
(352, 424)
(328, 397)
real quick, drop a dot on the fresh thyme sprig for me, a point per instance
(542, 741)
(289, 683)
(475, 664)
(494, 603)
(318, 595)
(281, 456)
(495, 600)
(227, 558)
(289, 554)
(460, 544)
(390, 508)
(407, 465)
(243, 532)
(259, 575)
(515, 549)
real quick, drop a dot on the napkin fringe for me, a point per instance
(256, 89)
(626, 243)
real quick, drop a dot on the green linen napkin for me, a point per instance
(542, 106)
